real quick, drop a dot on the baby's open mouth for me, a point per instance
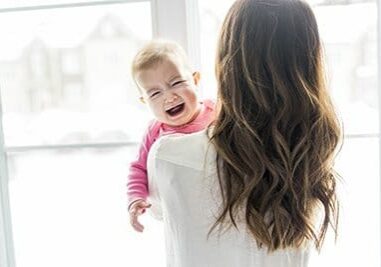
(176, 109)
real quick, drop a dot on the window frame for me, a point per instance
(379, 101)
(182, 26)
(7, 257)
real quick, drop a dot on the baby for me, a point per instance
(167, 84)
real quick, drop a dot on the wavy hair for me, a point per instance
(276, 132)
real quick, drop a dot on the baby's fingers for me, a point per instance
(134, 219)
(147, 205)
(138, 227)
(142, 207)
(136, 224)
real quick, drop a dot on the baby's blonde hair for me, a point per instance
(155, 52)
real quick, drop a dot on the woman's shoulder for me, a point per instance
(184, 149)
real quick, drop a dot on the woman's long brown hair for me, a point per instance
(276, 132)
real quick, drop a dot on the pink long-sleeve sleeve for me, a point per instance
(137, 185)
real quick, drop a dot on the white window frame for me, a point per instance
(7, 258)
(379, 100)
(171, 19)
(179, 20)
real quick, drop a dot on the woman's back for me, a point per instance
(185, 193)
(268, 170)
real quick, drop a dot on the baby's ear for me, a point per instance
(142, 100)
(196, 77)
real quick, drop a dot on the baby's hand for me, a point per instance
(137, 208)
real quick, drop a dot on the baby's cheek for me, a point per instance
(192, 97)
(159, 113)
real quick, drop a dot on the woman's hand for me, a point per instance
(137, 208)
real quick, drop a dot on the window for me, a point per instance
(69, 75)
(71, 122)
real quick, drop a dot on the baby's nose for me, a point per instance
(171, 98)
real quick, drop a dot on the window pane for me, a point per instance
(358, 243)
(69, 209)
(351, 50)
(66, 79)
(349, 36)
(211, 15)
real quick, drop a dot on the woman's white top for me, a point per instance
(184, 193)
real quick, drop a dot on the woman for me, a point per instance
(258, 188)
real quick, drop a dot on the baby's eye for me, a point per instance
(177, 83)
(154, 94)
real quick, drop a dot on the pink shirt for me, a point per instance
(137, 185)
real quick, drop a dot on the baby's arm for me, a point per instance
(137, 188)
(137, 185)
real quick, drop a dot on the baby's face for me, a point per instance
(169, 90)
